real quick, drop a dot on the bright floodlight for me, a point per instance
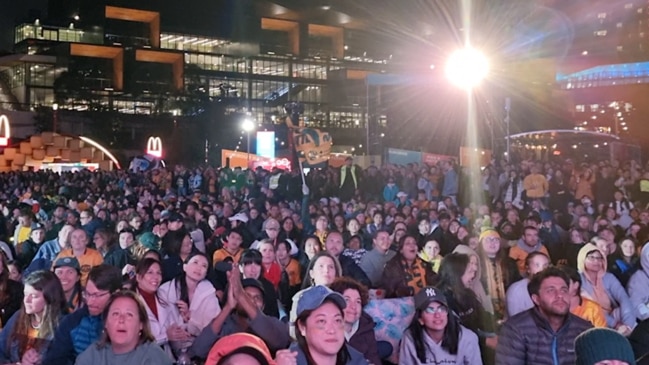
(467, 67)
(248, 125)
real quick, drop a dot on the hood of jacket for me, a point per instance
(523, 246)
(581, 257)
(644, 258)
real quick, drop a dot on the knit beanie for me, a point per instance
(599, 344)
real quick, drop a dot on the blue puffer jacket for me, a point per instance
(527, 338)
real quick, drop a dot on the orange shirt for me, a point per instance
(519, 255)
(87, 261)
(221, 254)
(590, 311)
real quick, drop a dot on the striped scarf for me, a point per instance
(414, 275)
(495, 286)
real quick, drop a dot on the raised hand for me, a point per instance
(286, 357)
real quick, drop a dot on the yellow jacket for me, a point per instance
(590, 311)
(535, 185)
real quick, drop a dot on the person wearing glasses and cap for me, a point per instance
(435, 335)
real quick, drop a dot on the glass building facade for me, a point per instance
(259, 83)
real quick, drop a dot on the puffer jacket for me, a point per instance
(528, 339)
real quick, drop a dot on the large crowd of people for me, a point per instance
(526, 263)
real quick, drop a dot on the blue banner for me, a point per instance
(403, 157)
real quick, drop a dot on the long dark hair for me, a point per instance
(293, 234)
(4, 279)
(342, 357)
(450, 341)
(141, 269)
(181, 279)
(306, 283)
(47, 283)
(451, 270)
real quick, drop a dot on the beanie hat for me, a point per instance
(488, 233)
(599, 344)
(240, 343)
(149, 241)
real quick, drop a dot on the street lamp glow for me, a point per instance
(248, 125)
(467, 67)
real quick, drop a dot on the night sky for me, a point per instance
(14, 12)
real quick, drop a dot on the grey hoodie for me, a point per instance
(638, 286)
(468, 350)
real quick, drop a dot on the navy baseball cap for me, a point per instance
(428, 295)
(313, 297)
(68, 262)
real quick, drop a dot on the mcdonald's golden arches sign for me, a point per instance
(5, 132)
(154, 147)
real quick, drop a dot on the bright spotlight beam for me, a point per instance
(466, 68)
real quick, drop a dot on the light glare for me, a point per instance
(467, 67)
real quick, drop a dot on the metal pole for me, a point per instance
(508, 105)
(367, 121)
(248, 150)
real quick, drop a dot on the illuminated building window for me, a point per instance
(628, 6)
(620, 48)
(601, 15)
(580, 108)
(600, 33)
(619, 25)
(594, 107)
(640, 10)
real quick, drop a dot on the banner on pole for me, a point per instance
(312, 145)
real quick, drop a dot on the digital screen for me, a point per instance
(266, 144)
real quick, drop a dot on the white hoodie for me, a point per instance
(203, 308)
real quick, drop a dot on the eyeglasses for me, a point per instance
(87, 295)
(595, 258)
(272, 229)
(432, 310)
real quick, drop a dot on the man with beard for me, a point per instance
(242, 312)
(77, 331)
(546, 333)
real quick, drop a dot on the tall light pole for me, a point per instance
(55, 108)
(466, 68)
(248, 126)
(508, 106)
